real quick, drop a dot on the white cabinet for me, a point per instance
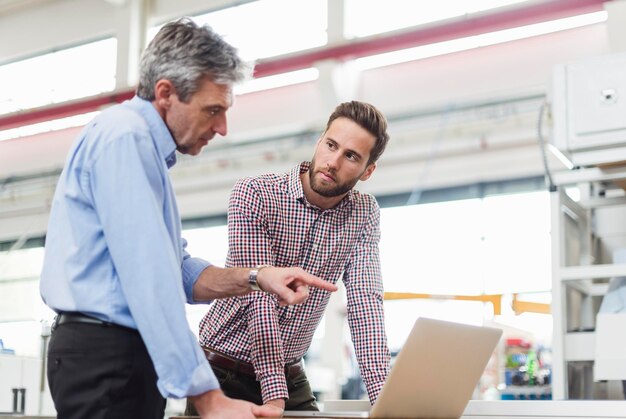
(589, 128)
(21, 375)
(584, 234)
(589, 110)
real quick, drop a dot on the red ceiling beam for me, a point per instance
(62, 110)
(437, 32)
(489, 21)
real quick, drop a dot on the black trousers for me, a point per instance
(244, 387)
(101, 372)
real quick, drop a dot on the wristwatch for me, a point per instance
(252, 278)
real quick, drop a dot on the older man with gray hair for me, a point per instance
(116, 270)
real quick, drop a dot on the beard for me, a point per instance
(330, 191)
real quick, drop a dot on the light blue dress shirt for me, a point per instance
(114, 249)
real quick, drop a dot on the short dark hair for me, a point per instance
(185, 54)
(369, 118)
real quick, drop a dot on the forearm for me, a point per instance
(266, 347)
(367, 326)
(370, 344)
(365, 294)
(374, 367)
(215, 282)
(289, 285)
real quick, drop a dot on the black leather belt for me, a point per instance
(245, 368)
(76, 317)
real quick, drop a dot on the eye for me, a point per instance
(213, 110)
(352, 156)
(331, 145)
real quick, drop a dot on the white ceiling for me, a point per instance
(10, 6)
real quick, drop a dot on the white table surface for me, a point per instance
(553, 409)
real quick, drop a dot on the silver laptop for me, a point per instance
(434, 375)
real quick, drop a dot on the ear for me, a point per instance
(163, 93)
(368, 172)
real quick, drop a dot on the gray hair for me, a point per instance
(185, 54)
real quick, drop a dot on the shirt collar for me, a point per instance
(160, 133)
(294, 185)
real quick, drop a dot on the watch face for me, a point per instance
(252, 281)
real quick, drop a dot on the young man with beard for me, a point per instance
(313, 218)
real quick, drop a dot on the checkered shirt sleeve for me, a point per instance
(249, 245)
(365, 307)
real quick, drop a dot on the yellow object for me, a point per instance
(494, 299)
(518, 306)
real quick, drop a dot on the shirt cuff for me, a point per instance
(274, 386)
(373, 391)
(202, 380)
(192, 268)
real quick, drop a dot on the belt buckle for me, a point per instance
(55, 322)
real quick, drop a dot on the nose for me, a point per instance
(333, 161)
(221, 126)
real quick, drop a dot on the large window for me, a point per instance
(259, 29)
(267, 28)
(21, 308)
(59, 76)
(496, 245)
(210, 243)
(369, 17)
(491, 245)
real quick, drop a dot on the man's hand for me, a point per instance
(290, 285)
(273, 408)
(215, 405)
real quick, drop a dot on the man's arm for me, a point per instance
(290, 285)
(364, 289)
(126, 185)
(266, 349)
(251, 243)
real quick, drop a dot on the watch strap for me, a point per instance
(253, 278)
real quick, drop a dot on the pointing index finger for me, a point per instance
(314, 281)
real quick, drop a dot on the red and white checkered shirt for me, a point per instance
(271, 223)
